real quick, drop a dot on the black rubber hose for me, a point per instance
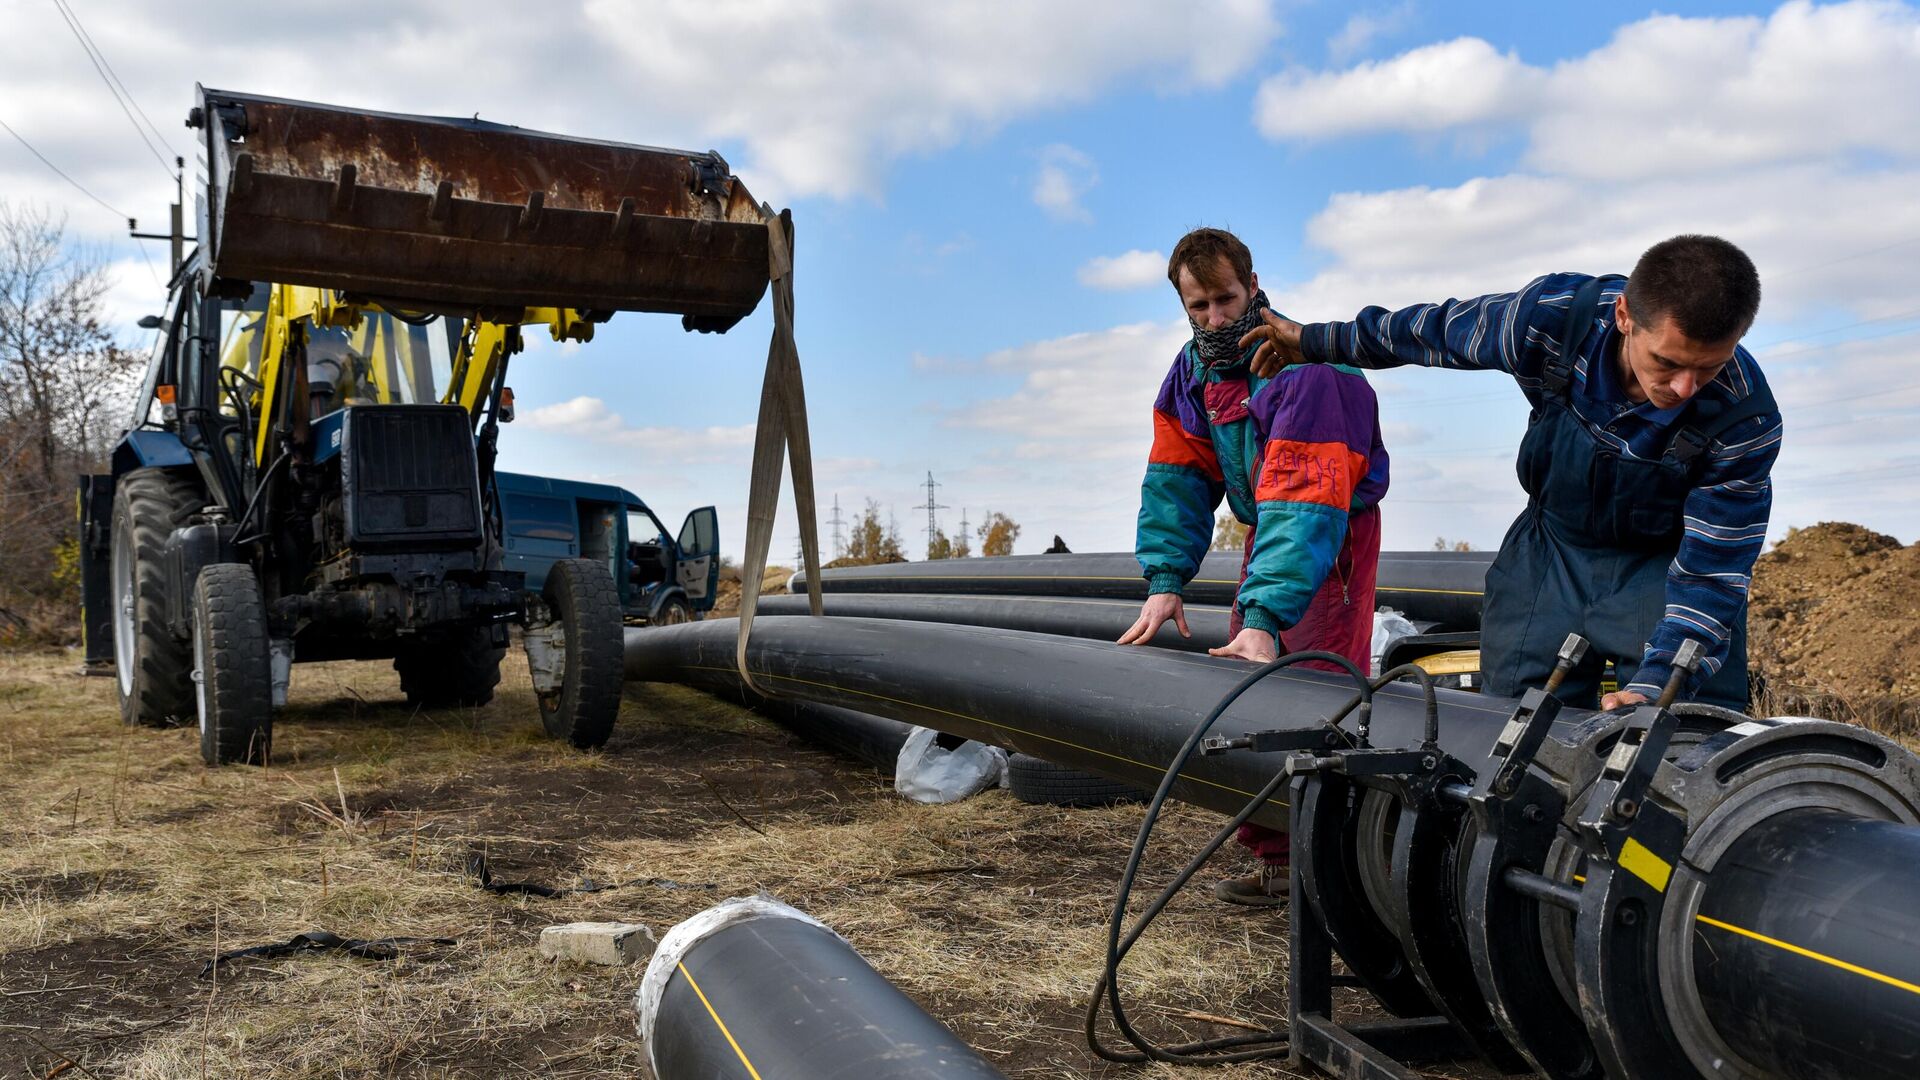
(1066, 616)
(1243, 1047)
(1806, 949)
(1435, 586)
(775, 994)
(1115, 710)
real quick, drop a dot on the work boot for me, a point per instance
(1268, 888)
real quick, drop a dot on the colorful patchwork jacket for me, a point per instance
(1294, 456)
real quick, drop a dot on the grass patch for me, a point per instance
(125, 865)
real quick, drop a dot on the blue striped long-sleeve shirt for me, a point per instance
(1726, 512)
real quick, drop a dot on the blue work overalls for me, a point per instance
(1590, 552)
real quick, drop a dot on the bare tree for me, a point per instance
(64, 385)
(873, 541)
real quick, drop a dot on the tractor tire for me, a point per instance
(233, 672)
(154, 668)
(1041, 782)
(458, 673)
(582, 711)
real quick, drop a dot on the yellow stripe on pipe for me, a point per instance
(719, 1023)
(1811, 955)
(1798, 951)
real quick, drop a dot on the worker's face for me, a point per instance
(1662, 364)
(1214, 306)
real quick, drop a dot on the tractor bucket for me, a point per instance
(451, 214)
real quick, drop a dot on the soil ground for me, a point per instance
(125, 865)
(1835, 622)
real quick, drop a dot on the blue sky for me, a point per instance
(969, 180)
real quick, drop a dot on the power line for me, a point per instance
(151, 126)
(99, 69)
(77, 186)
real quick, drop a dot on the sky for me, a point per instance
(984, 195)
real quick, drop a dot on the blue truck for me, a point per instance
(661, 577)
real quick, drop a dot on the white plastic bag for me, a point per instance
(928, 773)
(1389, 626)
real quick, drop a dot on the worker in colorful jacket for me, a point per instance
(1647, 461)
(1297, 455)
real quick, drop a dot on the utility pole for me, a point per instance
(932, 508)
(963, 530)
(839, 529)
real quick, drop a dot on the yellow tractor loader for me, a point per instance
(309, 471)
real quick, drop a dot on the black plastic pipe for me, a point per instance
(1807, 947)
(1442, 587)
(1119, 711)
(875, 740)
(754, 990)
(1066, 616)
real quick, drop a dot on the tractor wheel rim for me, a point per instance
(125, 628)
(200, 676)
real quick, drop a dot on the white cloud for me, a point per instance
(1065, 175)
(1134, 269)
(1095, 386)
(1363, 28)
(590, 419)
(1666, 95)
(1457, 82)
(821, 96)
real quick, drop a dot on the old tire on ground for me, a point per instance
(457, 671)
(583, 599)
(1036, 780)
(154, 667)
(233, 674)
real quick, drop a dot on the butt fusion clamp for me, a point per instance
(1620, 793)
(1527, 728)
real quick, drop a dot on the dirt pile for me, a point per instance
(1835, 615)
(726, 602)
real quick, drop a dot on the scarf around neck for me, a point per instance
(1221, 348)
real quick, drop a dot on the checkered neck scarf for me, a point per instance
(1221, 348)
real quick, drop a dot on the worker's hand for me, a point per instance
(1158, 609)
(1255, 645)
(1279, 345)
(1620, 699)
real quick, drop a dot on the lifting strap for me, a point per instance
(782, 427)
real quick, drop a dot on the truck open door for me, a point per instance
(698, 571)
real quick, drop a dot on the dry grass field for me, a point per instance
(125, 865)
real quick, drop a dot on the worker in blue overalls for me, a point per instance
(1646, 461)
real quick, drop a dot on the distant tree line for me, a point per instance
(875, 538)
